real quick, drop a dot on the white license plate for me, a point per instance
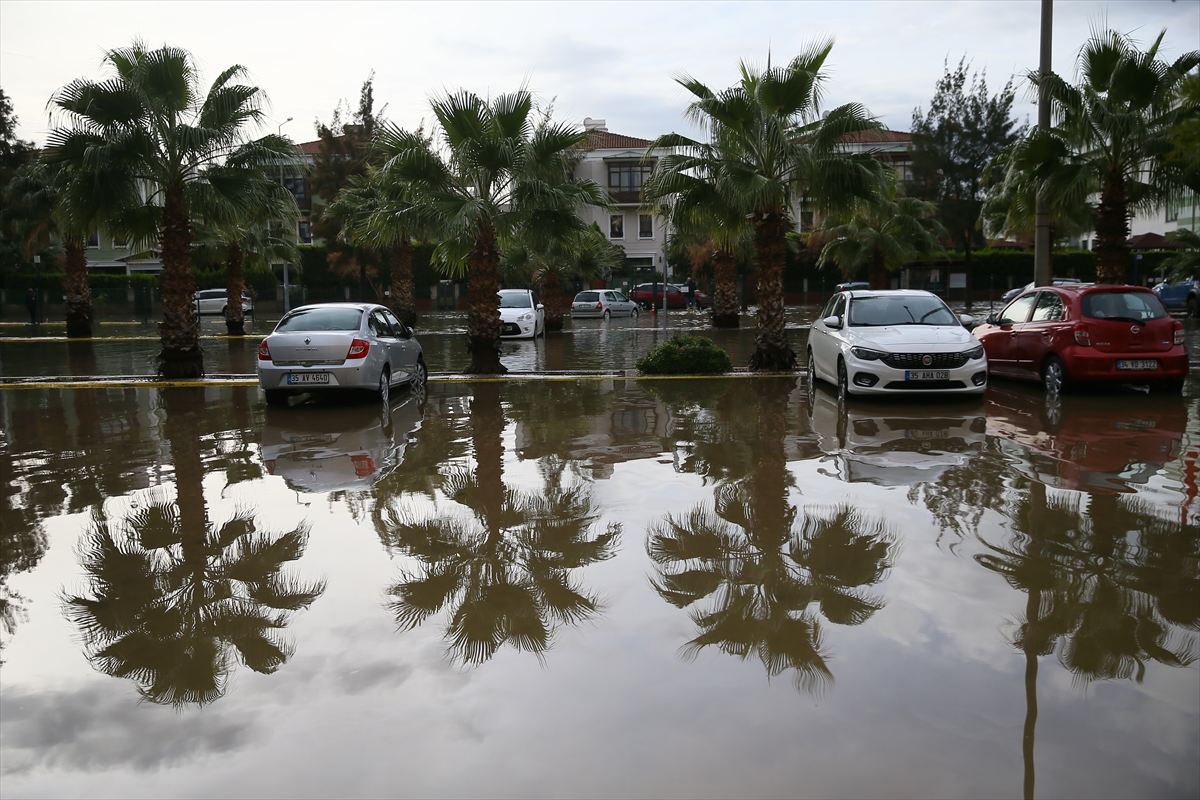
(925, 435)
(300, 378)
(1137, 363)
(927, 375)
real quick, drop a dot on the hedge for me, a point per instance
(685, 355)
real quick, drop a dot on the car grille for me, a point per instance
(511, 328)
(925, 385)
(914, 360)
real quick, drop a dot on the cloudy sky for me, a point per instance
(615, 61)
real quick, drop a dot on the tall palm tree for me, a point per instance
(1186, 262)
(37, 211)
(770, 147)
(1118, 119)
(152, 148)
(499, 170)
(881, 233)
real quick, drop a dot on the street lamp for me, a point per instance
(279, 130)
(287, 300)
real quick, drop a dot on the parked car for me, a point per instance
(603, 303)
(651, 294)
(1181, 296)
(1086, 333)
(1011, 294)
(337, 346)
(851, 286)
(522, 315)
(899, 341)
(212, 301)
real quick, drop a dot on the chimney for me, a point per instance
(598, 125)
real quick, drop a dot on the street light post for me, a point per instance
(287, 299)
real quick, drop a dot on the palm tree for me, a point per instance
(769, 147)
(500, 172)
(694, 206)
(1118, 119)
(1185, 263)
(38, 211)
(151, 150)
(506, 571)
(580, 254)
(881, 233)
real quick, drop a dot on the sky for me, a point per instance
(612, 60)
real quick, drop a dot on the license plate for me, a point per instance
(927, 375)
(1137, 363)
(298, 378)
(926, 435)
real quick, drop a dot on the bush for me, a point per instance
(685, 355)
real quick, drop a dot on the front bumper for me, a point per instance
(877, 378)
(518, 329)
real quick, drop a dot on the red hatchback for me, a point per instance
(1086, 333)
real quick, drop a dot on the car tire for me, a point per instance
(420, 374)
(385, 386)
(843, 381)
(811, 369)
(607, 315)
(1193, 306)
(633, 312)
(276, 397)
(1054, 376)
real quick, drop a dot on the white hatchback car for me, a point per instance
(522, 316)
(603, 303)
(895, 342)
(212, 301)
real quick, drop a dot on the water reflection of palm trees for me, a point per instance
(506, 571)
(758, 573)
(173, 597)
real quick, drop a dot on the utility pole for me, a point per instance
(287, 298)
(1041, 240)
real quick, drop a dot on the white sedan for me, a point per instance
(895, 342)
(522, 316)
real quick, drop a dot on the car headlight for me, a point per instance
(975, 352)
(525, 317)
(867, 355)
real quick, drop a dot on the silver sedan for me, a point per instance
(339, 346)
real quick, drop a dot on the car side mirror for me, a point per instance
(832, 321)
(966, 319)
(991, 319)
(540, 307)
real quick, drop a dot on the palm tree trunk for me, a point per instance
(552, 297)
(725, 304)
(487, 429)
(878, 271)
(483, 308)
(235, 283)
(1112, 229)
(403, 301)
(181, 356)
(772, 353)
(79, 296)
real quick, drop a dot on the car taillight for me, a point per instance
(599, 306)
(1082, 337)
(363, 465)
(358, 349)
(1178, 332)
(264, 352)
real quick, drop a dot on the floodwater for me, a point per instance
(684, 588)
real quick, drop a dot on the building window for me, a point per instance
(304, 231)
(295, 185)
(616, 226)
(645, 226)
(628, 177)
(119, 243)
(93, 239)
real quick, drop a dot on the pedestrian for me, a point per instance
(691, 294)
(31, 303)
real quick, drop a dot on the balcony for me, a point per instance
(629, 198)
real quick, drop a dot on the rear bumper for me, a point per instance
(1092, 366)
(340, 377)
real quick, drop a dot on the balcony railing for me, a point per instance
(626, 198)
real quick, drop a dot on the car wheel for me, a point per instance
(633, 313)
(607, 315)
(811, 369)
(225, 311)
(420, 374)
(843, 381)
(1193, 306)
(1054, 376)
(385, 386)
(276, 397)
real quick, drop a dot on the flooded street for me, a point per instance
(708, 588)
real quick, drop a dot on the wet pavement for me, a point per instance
(709, 588)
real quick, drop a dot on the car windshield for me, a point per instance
(515, 300)
(320, 319)
(899, 310)
(1123, 306)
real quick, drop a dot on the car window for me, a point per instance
(828, 310)
(318, 318)
(917, 309)
(609, 296)
(379, 325)
(396, 324)
(839, 306)
(620, 297)
(1017, 310)
(515, 300)
(587, 297)
(1049, 308)
(1123, 306)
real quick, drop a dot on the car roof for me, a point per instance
(359, 306)
(858, 293)
(514, 291)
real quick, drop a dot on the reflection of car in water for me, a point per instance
(892, 444)
(315, 448)
(1096, 443)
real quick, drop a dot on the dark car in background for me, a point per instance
(1180, 296)
(1086, 334)
(651, 294)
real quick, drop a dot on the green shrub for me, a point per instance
(685, 355)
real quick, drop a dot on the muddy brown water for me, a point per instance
(713, 588)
